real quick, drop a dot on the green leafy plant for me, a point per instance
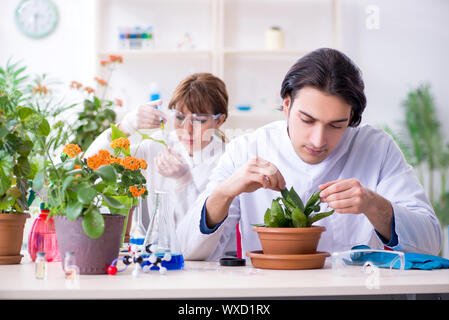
(15, 142)
(424, 146)
(289, 211)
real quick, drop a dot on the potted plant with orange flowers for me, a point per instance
(80, 192)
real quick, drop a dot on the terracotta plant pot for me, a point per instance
(11, 237)
(93, 256)
(289, 240)
(287, 261)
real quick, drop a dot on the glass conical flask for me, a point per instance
(138, 230)
(161, 239)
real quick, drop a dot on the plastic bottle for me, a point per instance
(42, 237)
(154, 92)
(41, 266)
(122, 44)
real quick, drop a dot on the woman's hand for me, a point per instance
(145, 117)
(170, 164)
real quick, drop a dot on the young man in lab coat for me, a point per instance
(360, 171)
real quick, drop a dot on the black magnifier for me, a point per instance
(231, 260)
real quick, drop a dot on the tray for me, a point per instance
(287, 261)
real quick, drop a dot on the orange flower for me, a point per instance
(71, 150)
(103, 157)
(137, 192)
(41, 89)
(89, 89)
(104, 62)
(130, 163)
(77, 166)
(75, 85)
(116, 58)
(114, 159)
(120, 143)
(101, 82)
(142, 164)
(119, 102)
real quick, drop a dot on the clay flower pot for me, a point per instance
(11, 236)
(289, 240)
(92, 256)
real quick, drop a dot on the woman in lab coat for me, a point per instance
(200, 107)
(360, 171)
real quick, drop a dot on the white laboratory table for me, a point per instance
(210, 280)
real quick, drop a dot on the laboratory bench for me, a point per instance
(209, 280)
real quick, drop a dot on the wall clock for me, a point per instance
(36, 18)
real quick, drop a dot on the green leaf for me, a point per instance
(25, 147)
(39, 179)
(299, 219)
(107, 173)
(22, 168)
(296, 199)
(73, 210)
(267, 216)
(113, 203)
(93, 223)
(86, 195)
(116, 133)
(278, 219)
(12, 143)
(44, 128)
(318, 216)
(313, 201)
(3, 131)
(67, 182)
(25, 112)
(6, 165)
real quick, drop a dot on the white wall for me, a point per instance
(67, 54)
(411, 46)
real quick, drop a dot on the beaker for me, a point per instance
(161, 239)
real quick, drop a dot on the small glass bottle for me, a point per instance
(41, 266)
(70, 268)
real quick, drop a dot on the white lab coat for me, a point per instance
(365, 153)
(200, 166)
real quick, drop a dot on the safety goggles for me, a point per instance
(194, 118)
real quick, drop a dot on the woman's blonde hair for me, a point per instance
(202, 93)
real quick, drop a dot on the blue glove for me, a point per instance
(384, 259)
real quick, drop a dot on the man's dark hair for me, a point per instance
(332, 72)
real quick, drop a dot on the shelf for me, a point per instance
(155, 52)
(263, 52)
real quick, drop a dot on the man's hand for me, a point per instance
(350, 196)
(255, 174)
